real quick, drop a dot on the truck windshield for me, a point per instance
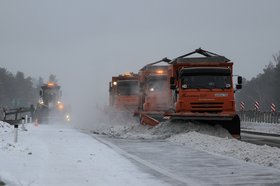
(206, 82)
(50, 95)
(128, 87)
(207, 78)
(157, 84)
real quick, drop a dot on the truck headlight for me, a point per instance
(67, 117)
(41, 102)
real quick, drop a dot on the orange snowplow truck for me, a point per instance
(124, 92)
(202, 89)
(154, 97)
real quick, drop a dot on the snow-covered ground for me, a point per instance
(60, 155)
(212, 139)
(268, 128)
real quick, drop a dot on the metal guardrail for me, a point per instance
(259, 117)
(17, 116)
(14, 116)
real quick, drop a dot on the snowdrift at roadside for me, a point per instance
(57, 154)
(5, 128)
(260, 154)
(211, 139)
(123, 124)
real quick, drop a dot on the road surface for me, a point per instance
(181, 165)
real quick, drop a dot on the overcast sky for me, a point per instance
(86, 42)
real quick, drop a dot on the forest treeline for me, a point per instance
(264, 88)
(16, 90)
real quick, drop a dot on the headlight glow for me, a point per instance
(67, 117)
(152, 89)
(160, 71)
(41, 102)
(60, 106)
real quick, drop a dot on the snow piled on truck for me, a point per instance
(208, 138)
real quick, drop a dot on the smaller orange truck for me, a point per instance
(124, 92)
(154, 96)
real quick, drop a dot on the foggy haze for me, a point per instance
(85, 43)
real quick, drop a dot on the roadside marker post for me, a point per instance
(242, 105)
(273, 107)
(23, 120)
(257, 106)
(16, 133)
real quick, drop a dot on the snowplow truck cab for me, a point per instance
(50, 106)
(153, 86)
(153, 97)
(202, 89)
(124, 92)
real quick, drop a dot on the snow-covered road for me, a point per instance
(133, 155)
(58, 155)
(182, 165)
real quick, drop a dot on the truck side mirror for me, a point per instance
(41, 93)
(239, 80)
(172, 83)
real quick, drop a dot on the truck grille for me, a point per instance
(210, 107)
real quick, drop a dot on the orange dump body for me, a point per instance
(124, 92)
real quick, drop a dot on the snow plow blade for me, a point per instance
(232, 126)
(151, 119)
(230, 123)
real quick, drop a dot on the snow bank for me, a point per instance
(7, 138)
(6, 135)
(263, 155)
(5, 128)
(8, 179)
(123, 124)
(112, 122)
(60, 155)
(211, 139)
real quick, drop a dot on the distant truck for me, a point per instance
(202, 89)
(124, 92)
(154, 95)
(50, 106)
